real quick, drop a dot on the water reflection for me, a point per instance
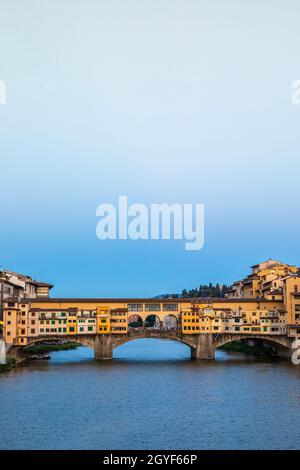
(151, 396)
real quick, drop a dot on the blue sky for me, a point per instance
(169, 101)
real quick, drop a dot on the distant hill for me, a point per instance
(207, 290)
(204, 290)
(166, 296)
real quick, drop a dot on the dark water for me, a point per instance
(145, 400)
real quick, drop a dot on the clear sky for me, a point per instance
(164, 101)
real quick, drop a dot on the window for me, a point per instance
(135, 307)
(90, 328)
(72, 329)
(23, 332)
(32, 331)
(170, 307)
(152, 307)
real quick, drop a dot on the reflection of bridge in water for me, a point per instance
(202, 346)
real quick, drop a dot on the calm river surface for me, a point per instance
(151, 397)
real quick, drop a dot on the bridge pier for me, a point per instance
(204, 347)
(103, 347)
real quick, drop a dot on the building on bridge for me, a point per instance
(20, 286)
(107, 323)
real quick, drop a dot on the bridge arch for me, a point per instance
(135, 321)
(170, 322)
(143, 335)
(82, 340)
(152, 321)
(137, 348)
(280, 343)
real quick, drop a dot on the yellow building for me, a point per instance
(119, 320)
(72, 321)
(265, 281)
(103, 320)
(235, 317)
(254, 306)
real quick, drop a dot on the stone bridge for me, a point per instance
(279, 343)
(202, 346)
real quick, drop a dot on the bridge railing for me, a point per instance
(154, 329)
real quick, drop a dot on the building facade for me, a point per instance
(19, 286)
(272, 310)
(267, 281)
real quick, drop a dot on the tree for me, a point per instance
(204, 290)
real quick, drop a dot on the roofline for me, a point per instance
(267, 261)
(40, 284)
(150, 300)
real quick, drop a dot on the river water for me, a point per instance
(151, 396)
